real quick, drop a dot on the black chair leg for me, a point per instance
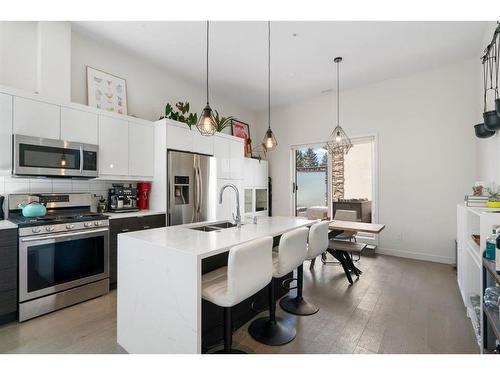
(272, 330)
(228, 335)
(298, 305)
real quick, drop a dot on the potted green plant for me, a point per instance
(221, 122)
(182, 115)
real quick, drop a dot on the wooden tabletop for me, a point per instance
(356, 226)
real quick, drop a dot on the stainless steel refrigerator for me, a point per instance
(192, 185)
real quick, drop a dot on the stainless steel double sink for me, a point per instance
(215, 227)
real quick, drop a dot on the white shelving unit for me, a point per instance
(473, 220)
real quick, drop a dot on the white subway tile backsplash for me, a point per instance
(81, 186)
(16, 185)
(62, 186)
(40, 185)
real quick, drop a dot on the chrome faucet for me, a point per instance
(236, 219)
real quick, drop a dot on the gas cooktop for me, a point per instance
(55, 218)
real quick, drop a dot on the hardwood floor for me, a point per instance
(397, 306)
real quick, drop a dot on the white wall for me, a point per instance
(149, 87)
(18, 55)
(488, 150)
(426, 152)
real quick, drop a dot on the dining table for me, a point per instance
(342, 250)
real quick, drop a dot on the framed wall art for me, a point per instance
(106, 91)
(242, 130)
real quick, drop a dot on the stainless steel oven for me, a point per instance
(51, 263)
(34, 156)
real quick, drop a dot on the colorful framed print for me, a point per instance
(242, 130)
(106, 91)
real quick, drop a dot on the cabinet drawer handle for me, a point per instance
(146, 227)
(125, 230)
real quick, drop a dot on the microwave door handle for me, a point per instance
(81, 159)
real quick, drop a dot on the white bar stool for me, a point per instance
(249, 269)
(317, 245)
(291, 253)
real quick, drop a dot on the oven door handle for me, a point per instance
(62, 235)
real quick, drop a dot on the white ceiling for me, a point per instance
(302, 65)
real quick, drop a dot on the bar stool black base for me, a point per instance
(232, 351)
(272, 333)
(298, 306)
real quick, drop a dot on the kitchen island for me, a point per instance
(159, 276)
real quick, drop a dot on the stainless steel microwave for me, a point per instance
(33, 156)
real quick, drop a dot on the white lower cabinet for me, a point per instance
(5, 133)
(113, 146)
(79, 126)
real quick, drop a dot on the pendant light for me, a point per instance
(206, 124)
(339, 141)
(269, 141)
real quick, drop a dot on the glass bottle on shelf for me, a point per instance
(491, 244)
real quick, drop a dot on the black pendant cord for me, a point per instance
(208, 32)
(485, 84)
(338, 93)
(269, 74)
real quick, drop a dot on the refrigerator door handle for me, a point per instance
(200, 185)
(195, 191)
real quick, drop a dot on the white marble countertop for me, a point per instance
(204, 244)
(122, 215)
(6, 224)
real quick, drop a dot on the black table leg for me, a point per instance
(350, 263)
(342, 261)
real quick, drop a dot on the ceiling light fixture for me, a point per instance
(269, 142)
(339, 141)
(206, 125)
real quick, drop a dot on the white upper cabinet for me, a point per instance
(237, 156)
(179, 138)
(35, 118)
(223, 154)
(78, 126)
(202, 144)
(255, 173)
(5, 133)
(113, 146)
(261, 173)
(141, 150)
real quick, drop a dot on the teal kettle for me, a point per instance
(33, 209)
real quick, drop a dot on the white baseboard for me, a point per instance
(414, 255)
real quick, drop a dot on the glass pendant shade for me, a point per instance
(206, 124)
(339, 141)
(269, 141)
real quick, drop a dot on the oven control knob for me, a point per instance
(70, 226)
(96, 223)
(36, 230)
(49, 229)
(87, 225)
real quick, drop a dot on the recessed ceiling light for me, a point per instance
(295, 34)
